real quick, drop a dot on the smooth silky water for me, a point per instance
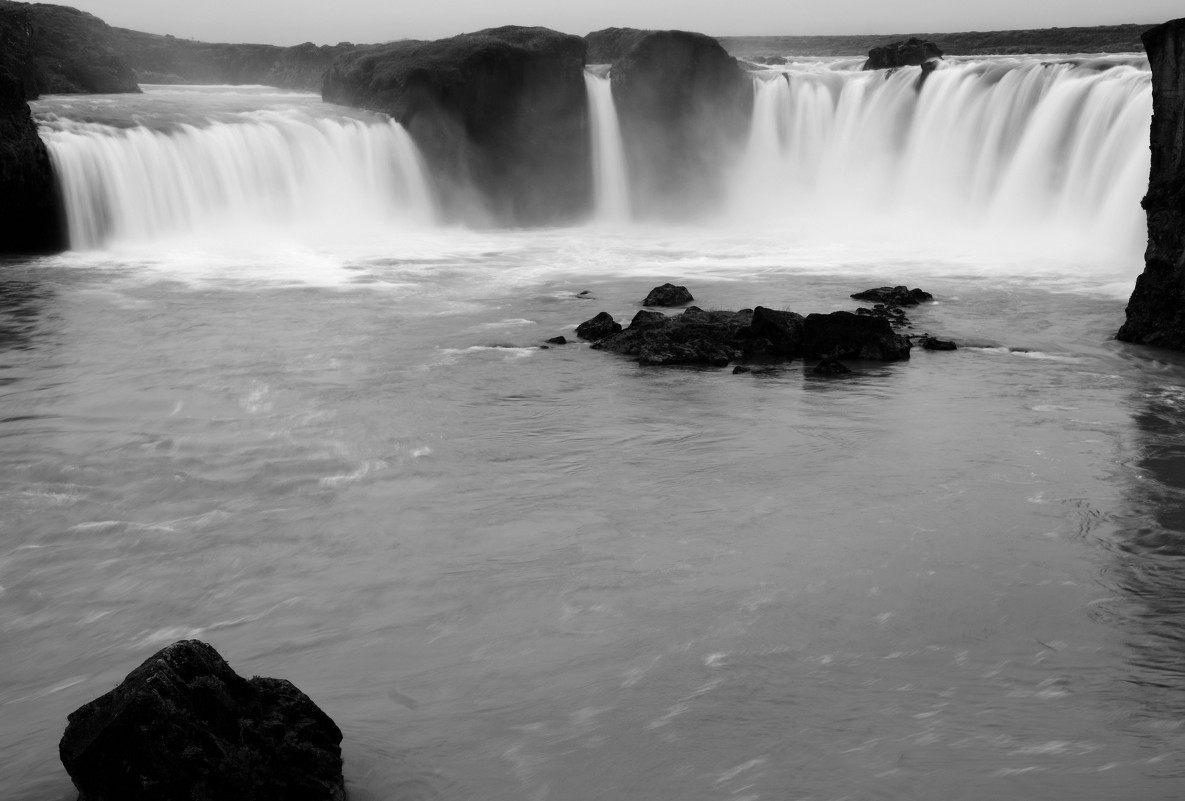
(313, 427)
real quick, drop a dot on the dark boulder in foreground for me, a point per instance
(501, 111)
(911, 53)
(846, 335)
(684, 106)
(183, 726)
(1156, 310)
(668, 295)
(31, 218)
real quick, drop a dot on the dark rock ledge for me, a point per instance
(185, 727)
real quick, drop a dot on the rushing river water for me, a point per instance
(337, 453)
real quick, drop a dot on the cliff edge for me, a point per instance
(1156, 311)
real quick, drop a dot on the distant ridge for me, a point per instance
(1099, 39)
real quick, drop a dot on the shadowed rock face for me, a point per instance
(184, 725)
(502, 111)
(1156, 311)
(684, 106)
(31, 218)
(609, 44)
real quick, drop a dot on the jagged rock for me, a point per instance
(502, 111)
(31, 217)
(910, 53)
(645, 318)
(668, 295)
(831, 367)
(1156, 310)
(684, 107)
(846, 335)
(598, 327)
(183, 726)
(781, 329)
(933, 343)
(894, 296)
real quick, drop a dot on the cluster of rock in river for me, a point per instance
(718, 338)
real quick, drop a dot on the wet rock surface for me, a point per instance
(847, 335)
(183, 726)
(598, 327)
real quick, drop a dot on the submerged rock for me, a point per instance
(831, 367)
(598, 327)
(502, 112)
(668, 295)
(560, 340)
(183, 726)
(1156, 310)
(846, 335)
(933, 343)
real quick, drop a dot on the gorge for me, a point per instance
(294, 372)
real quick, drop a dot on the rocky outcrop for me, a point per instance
(501, 111)
(684, 106)
(55, 49)
(913, 52)
(31, 217)
(1156, 310)
(184, 725)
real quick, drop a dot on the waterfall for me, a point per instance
(611, 199)
(1008, 148)
(280, 168)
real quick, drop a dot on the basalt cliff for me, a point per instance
(1156, 311)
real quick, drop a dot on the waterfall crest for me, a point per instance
(999, 146)
(275, 168)
(611, 198)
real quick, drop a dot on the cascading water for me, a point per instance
(1015, 148)
(610, 182)
(275, 167)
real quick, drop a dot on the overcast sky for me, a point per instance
(288, 22)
